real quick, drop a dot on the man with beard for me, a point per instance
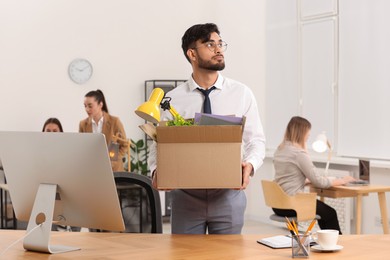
(213, 211)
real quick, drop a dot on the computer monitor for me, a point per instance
(65, 177)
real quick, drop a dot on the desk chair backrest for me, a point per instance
(140, 203)
(304, 204)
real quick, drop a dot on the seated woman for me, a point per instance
(52, 125)
(294, 168)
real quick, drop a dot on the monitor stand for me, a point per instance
(38, 236)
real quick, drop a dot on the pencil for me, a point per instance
(292, 225)
(289, 227)
(295, 227)
(295, 235)
(308, 230)
(288, 221)
(310, 226)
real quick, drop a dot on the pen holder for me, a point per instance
(300, 246)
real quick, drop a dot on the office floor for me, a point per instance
(250, 227)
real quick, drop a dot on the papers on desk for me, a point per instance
(280, 241)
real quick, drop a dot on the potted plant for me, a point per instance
(139, 156)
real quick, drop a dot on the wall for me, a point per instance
(301, 65)
(364, 79)
(327, 61)
(127, 43)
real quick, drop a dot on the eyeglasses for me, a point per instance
(213, 45)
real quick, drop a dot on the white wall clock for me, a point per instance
(80, 70)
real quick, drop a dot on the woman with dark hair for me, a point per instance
(100, 121)
(294, 168)
(52, 125)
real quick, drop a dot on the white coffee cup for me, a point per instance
(326, 238)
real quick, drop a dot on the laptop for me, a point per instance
(364, 174)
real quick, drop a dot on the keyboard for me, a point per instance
(357, 183)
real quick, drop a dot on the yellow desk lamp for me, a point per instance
(320, 145)
(150, 110)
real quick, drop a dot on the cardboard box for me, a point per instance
(199, 157)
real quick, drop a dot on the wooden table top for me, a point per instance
(363, 189)
(349, 191)
(166, 246)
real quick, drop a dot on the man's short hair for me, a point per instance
(197, 32)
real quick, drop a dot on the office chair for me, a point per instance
(304, 204)
(140, 203)
(7, 213)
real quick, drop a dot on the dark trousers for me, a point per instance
(328, 215)
(212, 211)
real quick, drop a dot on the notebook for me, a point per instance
(280, 241)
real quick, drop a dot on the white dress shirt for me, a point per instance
(229, 98)
(97, 128)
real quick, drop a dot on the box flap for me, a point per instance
(199, 134)
(150, 130)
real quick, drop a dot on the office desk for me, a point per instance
(165, 246)
(358, 192)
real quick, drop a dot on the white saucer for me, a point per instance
(319, 248)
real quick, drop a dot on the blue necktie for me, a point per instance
(206, 102)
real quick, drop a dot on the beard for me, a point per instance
(208, 65)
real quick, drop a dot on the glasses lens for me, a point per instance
(212, 46)
(223, 46)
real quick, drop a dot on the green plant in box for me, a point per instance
(180, 121)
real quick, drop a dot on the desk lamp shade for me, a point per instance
(150, 110)
(320, 145)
